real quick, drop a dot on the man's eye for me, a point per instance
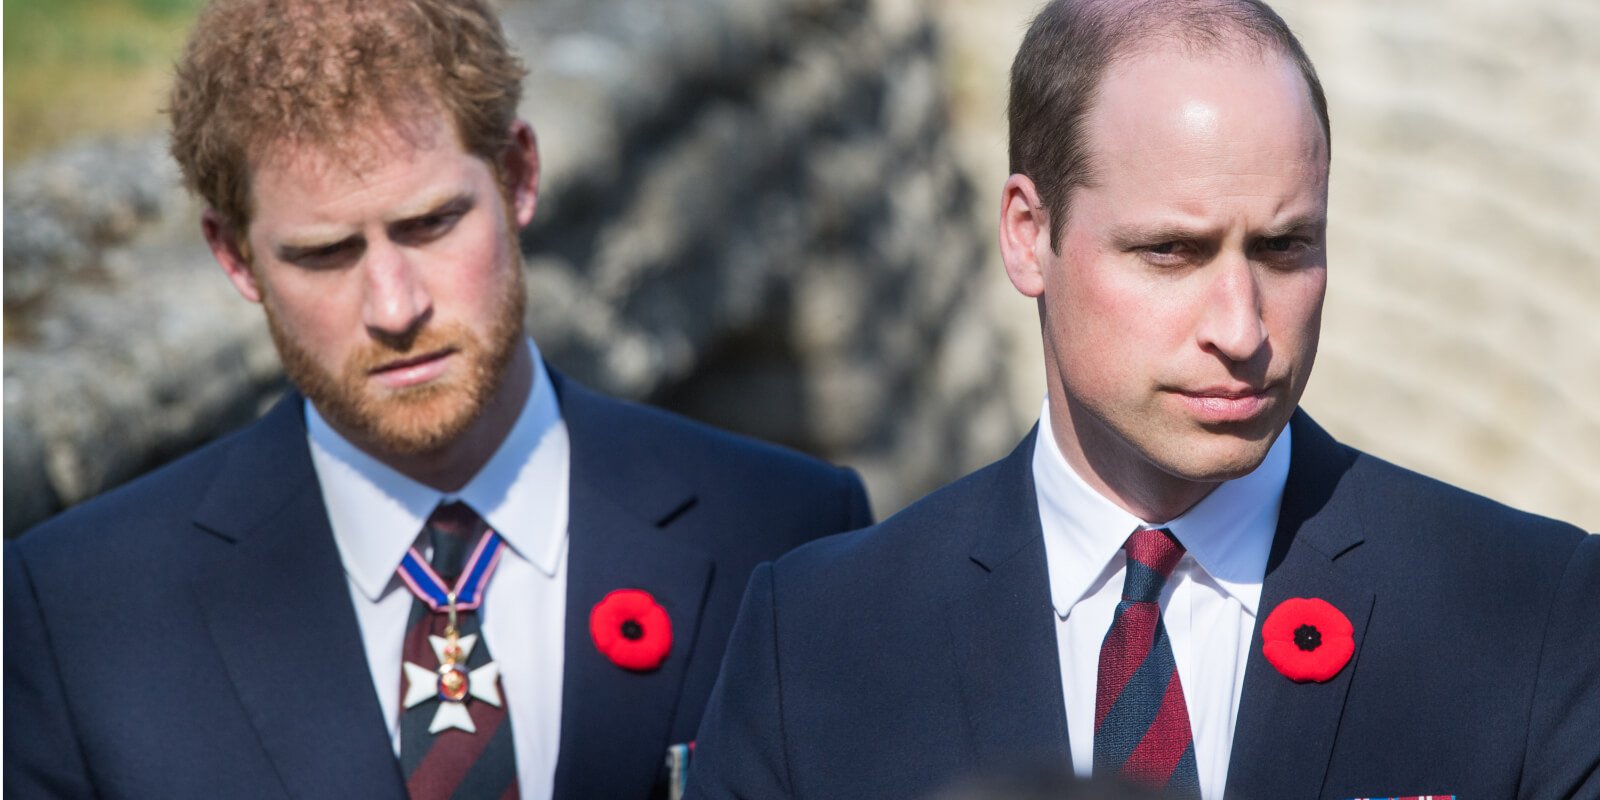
(428, 228)
(1167, 254)
(330, 257)
(1287, 250)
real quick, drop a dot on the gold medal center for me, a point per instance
(453, 684)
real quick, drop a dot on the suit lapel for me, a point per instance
(1002, 627)
(615, 724)
(1284, 735)
(278, 608)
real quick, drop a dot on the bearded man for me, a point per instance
(436, 569)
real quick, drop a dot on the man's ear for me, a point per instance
(519, 165)
(230, 250)
(1024, 234)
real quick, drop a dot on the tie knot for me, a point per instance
(456, 519)
(1152, 555)
(453, 529)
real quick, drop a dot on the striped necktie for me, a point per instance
(1141, 725)
(453, 762)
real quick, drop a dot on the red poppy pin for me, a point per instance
(1307, 639)
(632, 629)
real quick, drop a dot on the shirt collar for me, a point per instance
(1228, 534)
(376, 512)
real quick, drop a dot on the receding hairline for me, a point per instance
(1209, 29)
(1237, 50)
(1237, 41)
(1060, 69)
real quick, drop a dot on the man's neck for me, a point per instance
(451, 467)
(1111, 467)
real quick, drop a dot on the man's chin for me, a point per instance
(1215, 472)
(414, 441)
(1218, 457)
(421, 424)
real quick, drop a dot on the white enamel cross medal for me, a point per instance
(451, 684)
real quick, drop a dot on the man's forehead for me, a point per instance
(357, 153)
(1171, 100)
(353, 147)
(312, 192)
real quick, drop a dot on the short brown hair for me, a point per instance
(259, 74)
(1056, 75)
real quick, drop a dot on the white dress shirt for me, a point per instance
(378, 513)
(1208, 605)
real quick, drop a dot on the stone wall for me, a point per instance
(750, 213)
(1460, 336)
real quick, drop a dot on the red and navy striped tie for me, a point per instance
(1141, 725)
(453, 762)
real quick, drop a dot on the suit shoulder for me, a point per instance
(736, 494)
(1417, 527)
(270, 452)
(1407, 494)
(129, 528)
(163, 493)
(1404, 511)
(695, 445)
(927, 535)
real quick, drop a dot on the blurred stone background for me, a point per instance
(777, 215)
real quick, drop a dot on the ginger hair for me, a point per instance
(260, 76)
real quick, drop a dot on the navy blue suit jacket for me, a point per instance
(192, 634)
(885, 662)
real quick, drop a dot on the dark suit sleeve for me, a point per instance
(858, 511)
(739, 752)
(1562, 759)
(42, 755)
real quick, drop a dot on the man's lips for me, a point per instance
(1226, 403)
(413, 371)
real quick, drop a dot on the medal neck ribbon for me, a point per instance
(467, 594)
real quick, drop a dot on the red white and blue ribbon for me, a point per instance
(468, 591)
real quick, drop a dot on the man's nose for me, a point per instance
(1231, 323)
(397, 301)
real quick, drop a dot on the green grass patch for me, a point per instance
(87, 67)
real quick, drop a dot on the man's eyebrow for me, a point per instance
(453, 204)
(1136, 234)
(1295, 224)
(460, 202)
(294, 251)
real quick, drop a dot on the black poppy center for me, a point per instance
(632, 631)
(1307, 638)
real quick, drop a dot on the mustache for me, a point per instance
(379, 354)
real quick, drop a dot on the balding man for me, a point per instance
(1177, 577)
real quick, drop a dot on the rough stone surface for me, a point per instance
(750, 213)
(63, 211)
